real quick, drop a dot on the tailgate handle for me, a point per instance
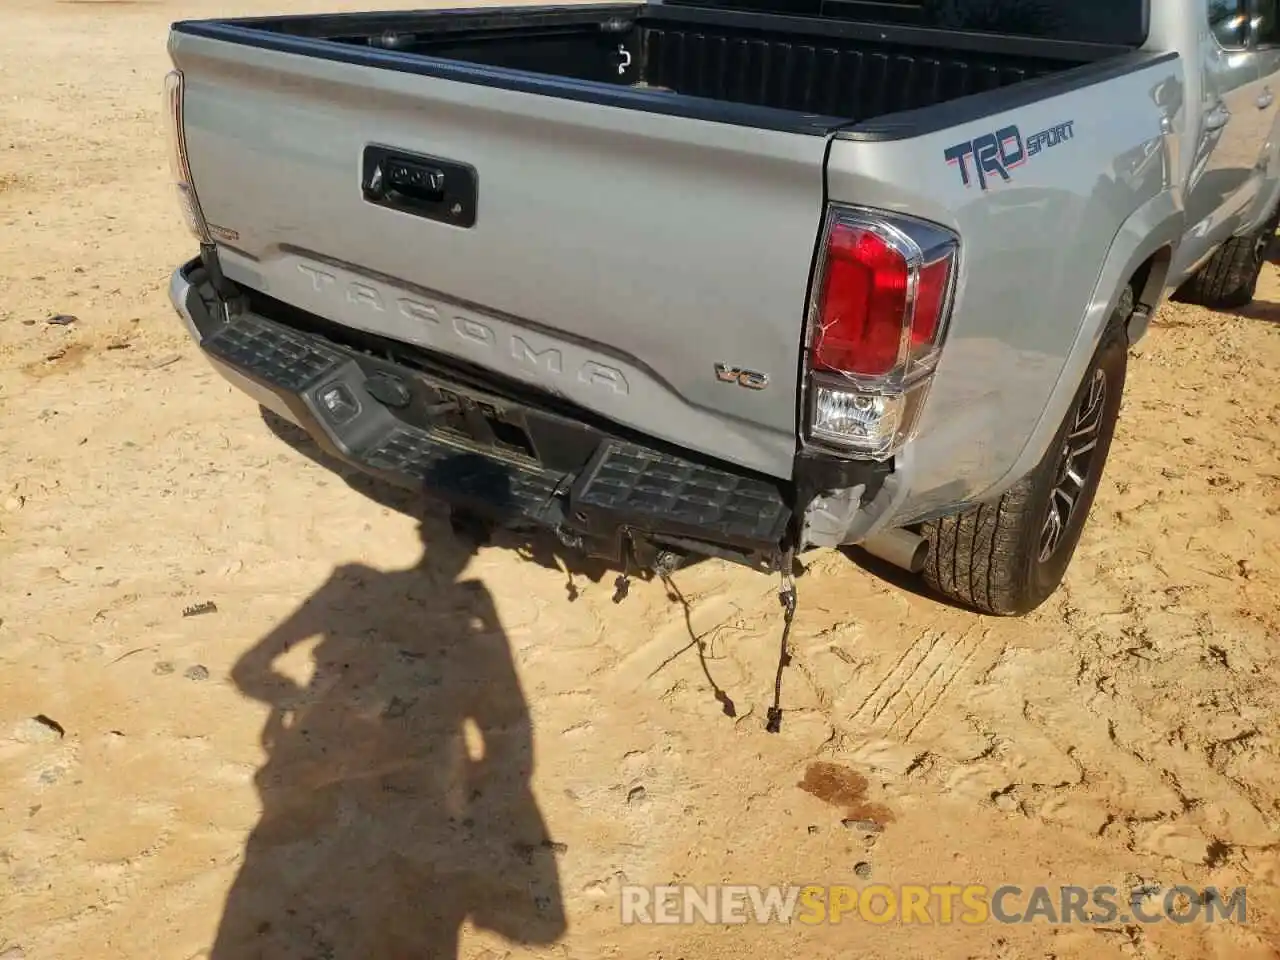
(424, 186)
(416, 181)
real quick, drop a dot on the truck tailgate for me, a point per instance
(616, 256)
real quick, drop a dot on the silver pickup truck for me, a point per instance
(737, 278)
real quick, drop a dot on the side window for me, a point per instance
(1093, 21)
(1266, 23)
(1229, 21)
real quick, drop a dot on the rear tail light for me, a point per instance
(179, 169)
(876, 324)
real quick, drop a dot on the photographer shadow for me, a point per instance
(532, 545)
(396, 796)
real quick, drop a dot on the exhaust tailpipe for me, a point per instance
(900, 547)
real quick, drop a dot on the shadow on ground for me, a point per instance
(1264, 310)
(898, 578)
(396, 798)
(536, 546)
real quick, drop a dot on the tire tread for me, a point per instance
(978, 557)
(1230, 278)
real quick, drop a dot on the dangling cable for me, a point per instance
(622, 585)
(787, 597)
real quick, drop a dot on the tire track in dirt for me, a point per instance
(921, 678)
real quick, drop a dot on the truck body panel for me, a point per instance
(574, 278)
(1011, 342)
(618, 258)
(607, 231)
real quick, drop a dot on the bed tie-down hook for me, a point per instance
(625, 54)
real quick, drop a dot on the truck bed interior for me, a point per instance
(824, 61)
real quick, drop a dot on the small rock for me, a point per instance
(62, 320)
(162, 668)
(13, 953)
(636, 795)
(38, 729)
(1006, 804)
(862, 870)
(197, 672)
(813, 829)
(866, 826)
(555, 846)
(14, 503)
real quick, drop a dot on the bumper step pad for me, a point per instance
(653, 490)
(282, 357)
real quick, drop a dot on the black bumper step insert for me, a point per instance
(646, 488)
(273, 353)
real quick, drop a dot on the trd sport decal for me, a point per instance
(995, 154)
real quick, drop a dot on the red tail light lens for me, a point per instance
(876, 323)
(931, 297)
(864, 298)
(876, 280)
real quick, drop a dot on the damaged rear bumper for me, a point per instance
(478, 447)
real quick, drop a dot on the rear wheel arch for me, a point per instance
(980, 556)
(1008, 555)
(1143, 248)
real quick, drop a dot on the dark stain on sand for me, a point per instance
(843, 787)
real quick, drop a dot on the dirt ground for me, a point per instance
(298, 774)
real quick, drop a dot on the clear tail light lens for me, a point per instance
(864, 419)
(179, 169)
(876, 325)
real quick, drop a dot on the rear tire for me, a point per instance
(1230, 279)
(1008, 556)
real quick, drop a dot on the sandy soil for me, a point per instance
(296, 774)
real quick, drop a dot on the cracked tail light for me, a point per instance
(179, 169)
(876, 324)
